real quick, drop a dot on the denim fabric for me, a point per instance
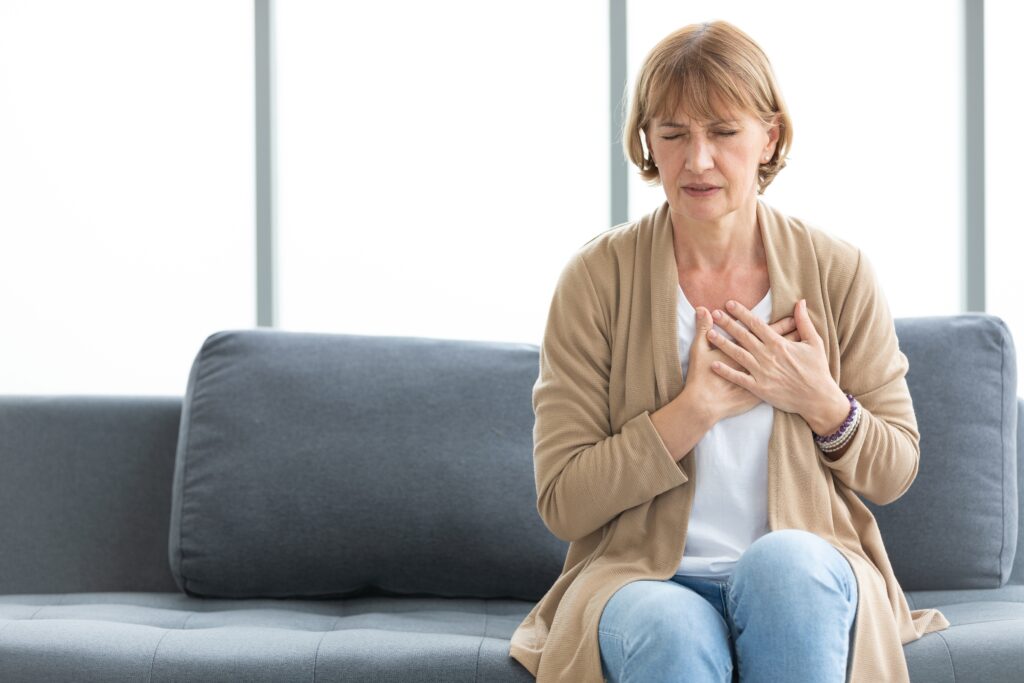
(786, 613)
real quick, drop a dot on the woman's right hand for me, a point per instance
(721, 397)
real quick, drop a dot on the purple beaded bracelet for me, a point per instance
(836, 441)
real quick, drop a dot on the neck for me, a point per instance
(720, 245)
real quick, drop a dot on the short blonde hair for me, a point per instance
(695, 65)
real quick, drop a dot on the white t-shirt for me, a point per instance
(730, 506)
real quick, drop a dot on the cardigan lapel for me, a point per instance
(668, 369)
(780, 253)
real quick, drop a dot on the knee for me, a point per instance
(787, 557)
(658, 607)
(661, 616)
(786, 550)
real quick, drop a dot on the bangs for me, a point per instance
(706, 91)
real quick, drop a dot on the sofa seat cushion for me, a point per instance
(169, 636)
(984, 644)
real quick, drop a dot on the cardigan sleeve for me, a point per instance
(882, 459)
(585, 475)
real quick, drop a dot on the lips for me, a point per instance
(700, 187)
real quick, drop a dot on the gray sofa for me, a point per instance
(340, 507)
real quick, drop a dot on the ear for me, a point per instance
(646, 142)
(774, 132)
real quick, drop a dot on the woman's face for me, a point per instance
(724, 154)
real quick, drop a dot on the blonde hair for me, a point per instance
(697, 64)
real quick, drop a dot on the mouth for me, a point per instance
(700, 190)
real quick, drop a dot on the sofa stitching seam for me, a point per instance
(949, 654)
(476, 674)
(4, 627)
(316, 654)
(152, 663)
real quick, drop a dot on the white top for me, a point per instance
(730, 505)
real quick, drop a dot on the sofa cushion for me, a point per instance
(1017, 576)
(983, 644)
(956, 526)
(160, 636)
(105, 637)
(320, 465)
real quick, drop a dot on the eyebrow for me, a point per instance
(673, 124)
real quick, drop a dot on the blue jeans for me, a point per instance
(786, 613)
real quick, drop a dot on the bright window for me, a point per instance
(1004, 152)
(439, 162)
(126, 191)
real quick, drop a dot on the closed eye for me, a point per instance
(725, 133)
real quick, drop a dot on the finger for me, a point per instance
(734, 376)
(784, 325)
(805, 324)
(731, 349)
(740, 332)
(704, 323)
(757, 327)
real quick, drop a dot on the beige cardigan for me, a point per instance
(607, 484)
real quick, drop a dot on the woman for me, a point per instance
(706, 470)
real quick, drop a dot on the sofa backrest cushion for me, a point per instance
(326, 465)
(1017, 577)
(956, 526)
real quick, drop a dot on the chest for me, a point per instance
(712, 290)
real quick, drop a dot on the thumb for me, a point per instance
(703, 319)
(704, 324)
(803, 321)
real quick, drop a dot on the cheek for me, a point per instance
(740, 165)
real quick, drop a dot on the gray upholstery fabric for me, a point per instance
(1017, 577)
(321, 465)
(985, 642)
(956, 527)
(171, 637)
(1011, 592)
(165, 637)
(85, 492)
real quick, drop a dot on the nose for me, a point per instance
(698, 155)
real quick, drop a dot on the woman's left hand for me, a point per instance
(790, 375)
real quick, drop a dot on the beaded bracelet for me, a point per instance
(836, 441)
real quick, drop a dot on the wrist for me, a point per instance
(829, 414)
(700, 410)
